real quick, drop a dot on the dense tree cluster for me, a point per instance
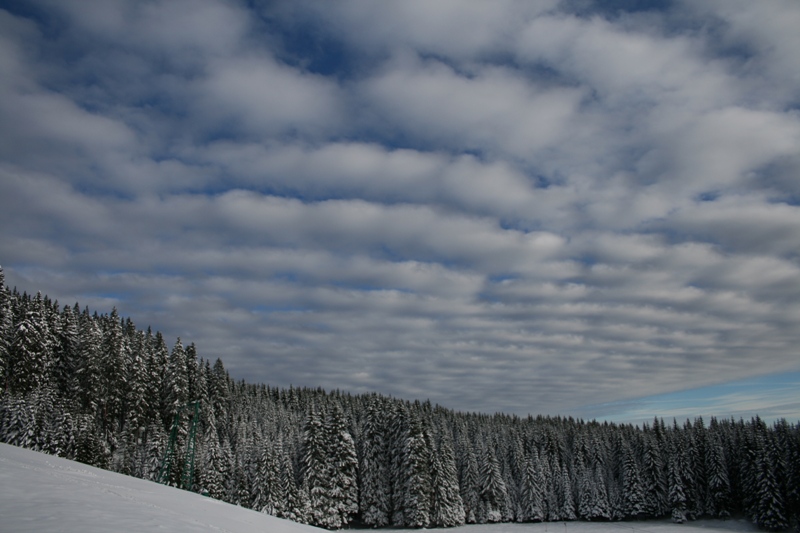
(95, 388)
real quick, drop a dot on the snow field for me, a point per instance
(40, 492)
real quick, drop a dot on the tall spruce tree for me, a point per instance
(30, 362)
(6, 329)
(447, 508)
(343, 464)
(374, 500)
(493, 488)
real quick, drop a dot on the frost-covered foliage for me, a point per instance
(95, 388)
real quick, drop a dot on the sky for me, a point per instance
(574, 208)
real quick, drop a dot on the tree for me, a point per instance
(770, 512)
(447, 508)
(113, 365)
(316, 474)
(343, 464)
(414, 498)
(469, 484)
(567, 502)
(533, 490)
(30, 363)
(719, 489)
(374, 482)
(654, 478)
(493, 489)
(677, 497)
(6, 331)
(632, 492)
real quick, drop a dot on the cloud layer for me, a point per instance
(531, 208)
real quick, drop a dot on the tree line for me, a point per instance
(96, 389)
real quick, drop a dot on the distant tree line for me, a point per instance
(96, 389)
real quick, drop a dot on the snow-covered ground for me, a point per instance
(649, 526)
(40, 492)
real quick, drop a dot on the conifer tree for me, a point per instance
(113, 364)
(30, 362)
(770, 511)
(212, 475)
(632, 493)
(343, 463)
(493, 488)
(469, 484)
(415, 496)
(6, 330)
(533, 489)
(177, 381)
(447, 508)
(66, 354)
(316, 474)
(719, 490)
(567, 511)
(375, 491)
(677, 497)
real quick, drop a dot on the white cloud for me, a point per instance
(491, 108)
(500, 208)
(264, 97)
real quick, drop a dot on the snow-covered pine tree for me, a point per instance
(415, 473)
(719, 490)
(214, 467)
(30, 360)
(633, 501)
(113, 363)
(343, 463)
(176, 382)
(374, 468)
(770, 510)
(654, 478)
(601, 509)
(136, 403)
(469, 483)
(66, 353)
(493, 488)
(533, 490)
(316, 474)
(298, 507)
(447, 508)
(6, 330)
(567, 511)
(676, 496)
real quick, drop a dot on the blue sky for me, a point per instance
(557, 207)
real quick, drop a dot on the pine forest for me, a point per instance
(94, 388)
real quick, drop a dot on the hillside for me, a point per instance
(41, 492)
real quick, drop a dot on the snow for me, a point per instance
(648, 526)
(41, 492)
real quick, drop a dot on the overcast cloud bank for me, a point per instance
(523, 206)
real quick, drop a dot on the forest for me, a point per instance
(94, 388)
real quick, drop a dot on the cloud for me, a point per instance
(489, 109)
(525, 208)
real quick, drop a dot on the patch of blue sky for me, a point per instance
(771, 397)
(611, 8)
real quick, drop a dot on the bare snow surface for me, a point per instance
(41, 492)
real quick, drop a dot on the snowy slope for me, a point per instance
(40, 492)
